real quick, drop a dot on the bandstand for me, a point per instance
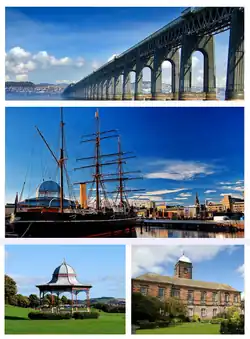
(64, 280)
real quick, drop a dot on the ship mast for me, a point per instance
(97, 163)
(61, 162)
(99, 177)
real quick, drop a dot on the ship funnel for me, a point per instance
(83, 196)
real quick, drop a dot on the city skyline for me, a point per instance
(211, 263)
(103, 266)
(176, 162)
(31, 53)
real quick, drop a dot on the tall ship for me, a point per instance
(51, 215)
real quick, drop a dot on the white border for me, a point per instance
(129, 242)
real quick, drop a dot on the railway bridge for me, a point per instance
(193, 31)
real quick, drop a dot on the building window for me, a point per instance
(215, 297)
(161, 292)
(190, 297)
(144, 290)
(214, 312)
(236, 298)
(203, 297)
(227, 298)
(175, 293)
(190, 312)
(203, 312)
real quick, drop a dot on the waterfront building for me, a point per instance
(206, 299)
(227, 204)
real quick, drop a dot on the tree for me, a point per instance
(145, 308)
(10, 289)
(64, 300)
(34, 301)
(175, 308)
(22, 301)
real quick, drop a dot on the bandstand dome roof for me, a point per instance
(48, 186)
(64, 276)
(183, 258)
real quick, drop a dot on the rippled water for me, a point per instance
(156, 232)
(33, 96)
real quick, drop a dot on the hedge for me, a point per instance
(147, 325)
(86, 315)
(49, 316)
(217, 320)
(162, 323)
(229, 326)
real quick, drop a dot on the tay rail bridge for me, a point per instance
(193, 31)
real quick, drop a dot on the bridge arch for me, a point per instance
(128, 90)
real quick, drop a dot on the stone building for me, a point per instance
(227, 204)
(206, 299)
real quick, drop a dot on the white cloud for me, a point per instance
(179, 198)
(226, 183)
(19, 61)
(147, 258)
(233, 188)
(22, 77)
(209, 191)
(95, 65)
(63, 81)
(188, 194)
(165, 191)
(195, 61)
(241, 270)
(181, 170)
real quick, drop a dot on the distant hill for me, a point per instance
(102, 300)
(19, 84)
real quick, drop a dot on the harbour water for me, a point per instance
(33, 96)
(157, 232)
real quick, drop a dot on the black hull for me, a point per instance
(56, 225)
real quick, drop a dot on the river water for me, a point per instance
(156, 232)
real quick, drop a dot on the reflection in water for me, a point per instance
(156, 232)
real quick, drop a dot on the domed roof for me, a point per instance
(48, 186)
(183, 258)
(64, 269)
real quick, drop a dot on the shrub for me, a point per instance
(147, 325)
(195, 318)
(205, 321)
(48, 316)
(230, 326)
(86, 315)
(176, 320)
(217, 320)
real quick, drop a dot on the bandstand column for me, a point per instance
(235, 64)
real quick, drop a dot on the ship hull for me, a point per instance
(70, 225)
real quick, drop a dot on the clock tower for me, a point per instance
(183, 268)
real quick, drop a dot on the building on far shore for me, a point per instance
(227, 204)
(206, 299)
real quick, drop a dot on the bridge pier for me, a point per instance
(118, 87)
(138, 81)
(235, 65)
(174, 58)
(206, 46)
(126, 90)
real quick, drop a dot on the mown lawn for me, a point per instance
(17, 322)
(186, 328)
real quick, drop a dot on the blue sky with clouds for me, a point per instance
(214, 263)
(102, 266)
(180, 151)
(65, 44)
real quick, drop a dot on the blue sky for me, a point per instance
(65, 44)
(214, 263)
(102, 266)
(180, 151)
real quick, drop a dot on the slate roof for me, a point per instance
(160, 279)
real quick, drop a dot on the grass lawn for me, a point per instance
(17, 322)
(186, 328)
